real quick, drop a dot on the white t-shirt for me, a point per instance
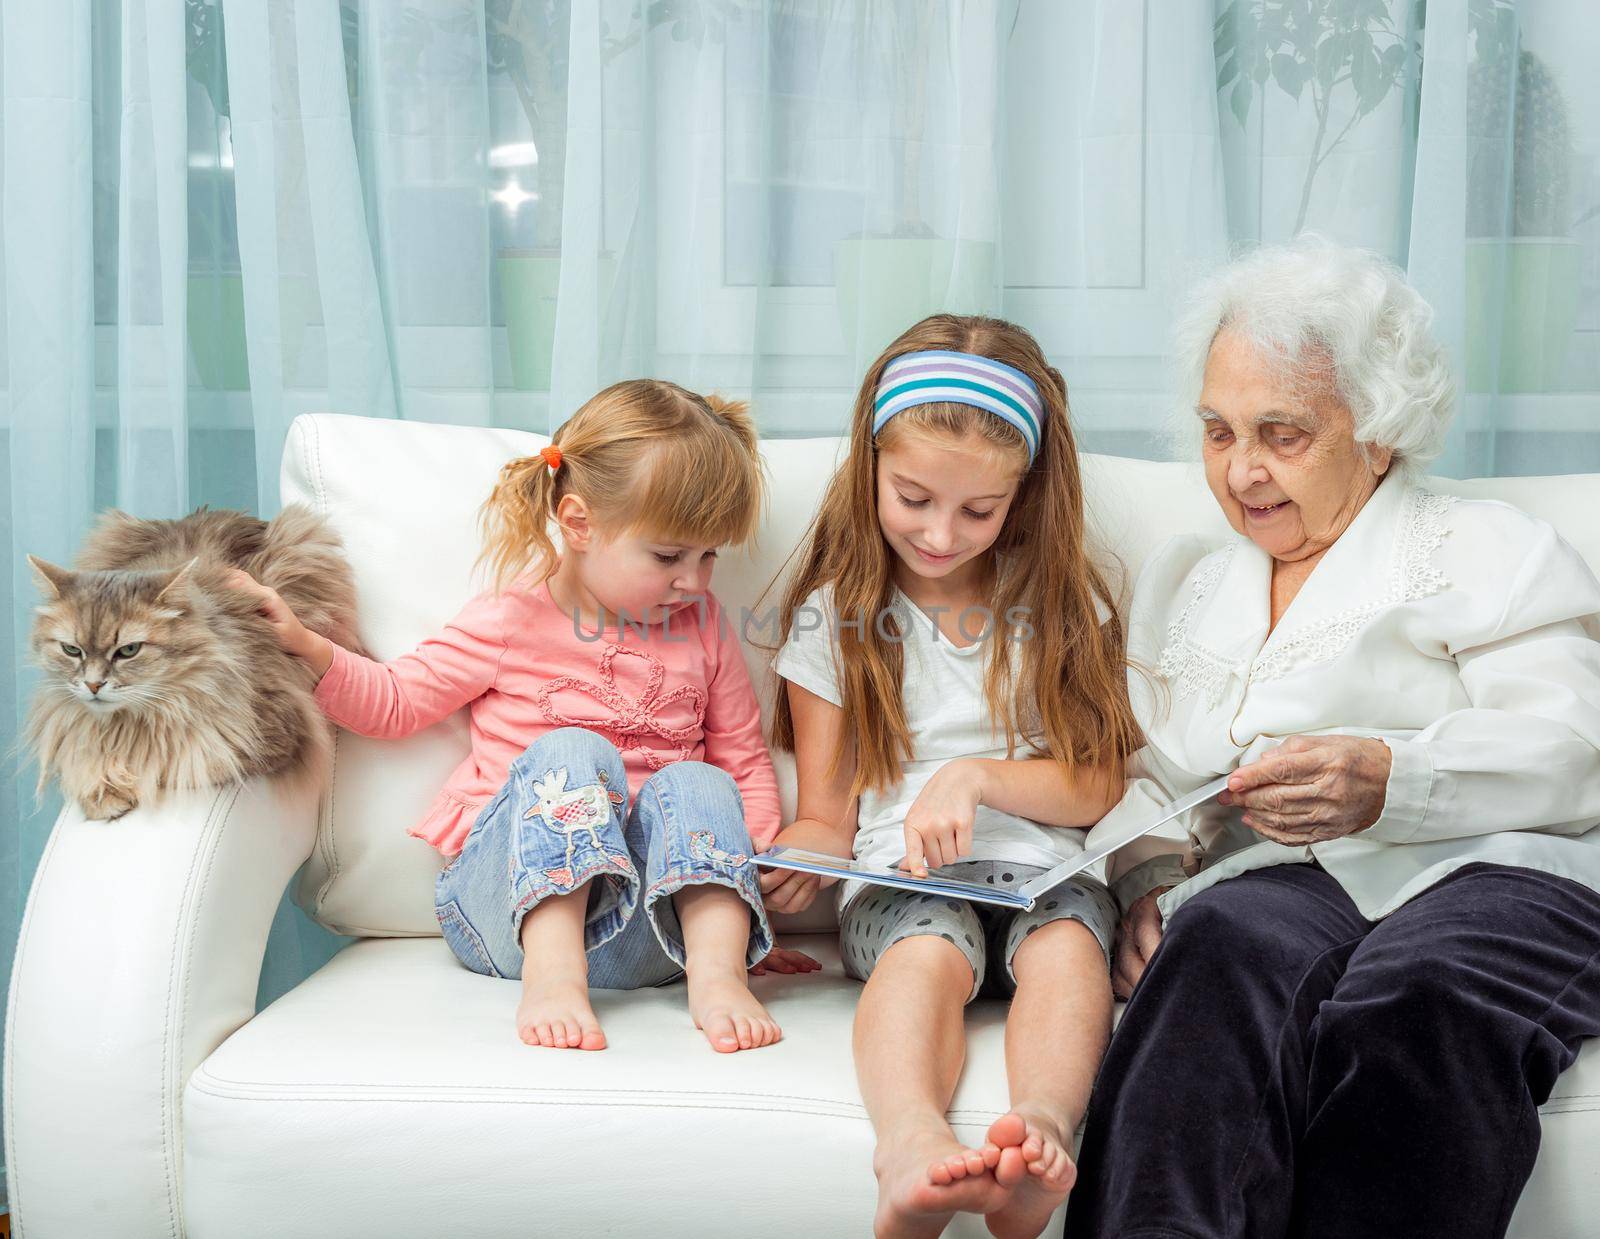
(948, 716)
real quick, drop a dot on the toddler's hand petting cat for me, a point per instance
(293, 636)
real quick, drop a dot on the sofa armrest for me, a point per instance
(139, 953)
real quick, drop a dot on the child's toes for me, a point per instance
(591, 1038)
(1008, 1131)
(742, 1024)
(1010, 1170)
(721, 1033)
(990, 1154)
(956, 1164)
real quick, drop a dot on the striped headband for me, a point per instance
(941, 377)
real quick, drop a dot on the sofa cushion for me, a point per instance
(389, 1095)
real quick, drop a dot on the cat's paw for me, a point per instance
(105, 804)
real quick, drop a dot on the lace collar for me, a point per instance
(1385, 557)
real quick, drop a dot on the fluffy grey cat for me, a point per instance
(160, 675)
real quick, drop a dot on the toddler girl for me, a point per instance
(600, 829)
(956, 697)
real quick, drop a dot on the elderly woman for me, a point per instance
(1381, 946)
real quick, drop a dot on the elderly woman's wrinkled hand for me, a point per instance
(1137, 939)
(1312, 788)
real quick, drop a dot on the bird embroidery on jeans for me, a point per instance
(569, 811)
(702, 844)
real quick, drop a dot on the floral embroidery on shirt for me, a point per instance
(1187, 665)
(634, 721)
(1412, 575)
(1191, 668)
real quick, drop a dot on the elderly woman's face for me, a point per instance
(1283, 462)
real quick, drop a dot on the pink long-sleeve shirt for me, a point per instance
(677, 693)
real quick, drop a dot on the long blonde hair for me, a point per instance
(644, 454)
(1076, 705)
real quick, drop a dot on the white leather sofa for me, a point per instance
(387, 1096)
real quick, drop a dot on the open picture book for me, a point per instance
(1015, 895)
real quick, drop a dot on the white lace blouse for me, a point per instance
(1463, 633)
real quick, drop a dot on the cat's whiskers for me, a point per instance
(148, 695)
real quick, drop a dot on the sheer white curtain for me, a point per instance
(218, 214)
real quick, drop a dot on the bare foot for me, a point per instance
(727, 1012)
(1028, 1152)
(925, 1177)
(555, 1013)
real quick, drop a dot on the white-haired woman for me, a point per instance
(1382, 946)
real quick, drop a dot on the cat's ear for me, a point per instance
(53, 581)
(172, 591)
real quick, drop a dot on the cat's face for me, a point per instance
(114, 640)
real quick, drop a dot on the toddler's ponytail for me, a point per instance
(515, 519)
(735, 414)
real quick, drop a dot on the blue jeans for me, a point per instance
(563, 819)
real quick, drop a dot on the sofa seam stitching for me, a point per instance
(177, 993)
(664, 1095)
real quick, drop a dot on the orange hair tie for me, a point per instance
(552, 456)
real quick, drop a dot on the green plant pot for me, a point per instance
(529, 283)
(529, 280)
(216, 331)
(885, 284)
(1533, 314)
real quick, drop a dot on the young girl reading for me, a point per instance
(601, 827)
(956, 698)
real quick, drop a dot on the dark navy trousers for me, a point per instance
(1287, 1068)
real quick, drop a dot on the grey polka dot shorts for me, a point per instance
(880, 916)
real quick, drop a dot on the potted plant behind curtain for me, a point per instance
(528, 43)
(1315, 45)
(886, 281)
(216, 283)
(1523, 267)
(216, 321)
